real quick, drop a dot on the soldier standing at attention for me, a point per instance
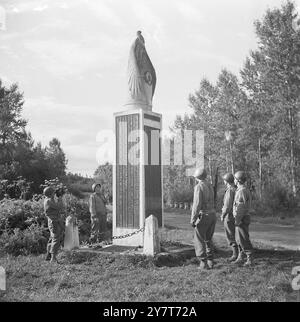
(98, 213)
(227, 215)
(53, 210)
(203, 219)
(241, 214)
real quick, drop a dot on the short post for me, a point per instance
(151, 237)
(2, 279)
(296, 281)
(71, 234)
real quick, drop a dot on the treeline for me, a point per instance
(251, 122)
(20, 156)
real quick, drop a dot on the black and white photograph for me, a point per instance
(149, 154)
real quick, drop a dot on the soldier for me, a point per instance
(241, 214)
(227, 215)
(53, 210)
(203, 219)
(98, 213)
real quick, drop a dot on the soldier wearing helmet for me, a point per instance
(98, 214)
(203, 219)
(227, 215)
(241, 214)
(52, 209)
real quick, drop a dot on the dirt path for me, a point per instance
(270, 234)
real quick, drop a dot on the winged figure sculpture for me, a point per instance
(141, 75)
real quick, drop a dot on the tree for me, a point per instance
(12, 125)
(103, 175)
(56, 158)
(272, 78)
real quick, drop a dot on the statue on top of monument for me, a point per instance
(141, 76)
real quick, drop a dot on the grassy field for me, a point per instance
(103, 277)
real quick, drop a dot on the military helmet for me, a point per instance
(200, 174)
(228, 177)
(95, 185)
(48, 192)
(240, 176)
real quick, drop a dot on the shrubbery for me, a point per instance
(23, 225)
(32, 240)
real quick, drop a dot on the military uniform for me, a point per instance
(55, 224)
(227, 216)
(98, 216)
(204, 218)
(241, 208)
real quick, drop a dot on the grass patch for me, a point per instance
(104, 277)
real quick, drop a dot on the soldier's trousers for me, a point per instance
(203, 234)
(229, 227)
(56, 229)
(98, 227)
(243, 237)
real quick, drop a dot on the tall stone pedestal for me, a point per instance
(137, 174)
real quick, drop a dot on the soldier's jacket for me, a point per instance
(203, 200)
(52, 209)
(97, 205)
(242, 204)
(228, 201)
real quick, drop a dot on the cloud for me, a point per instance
(189, 12)
(65, 58)
(105, 13)
(21, 6)
(146, 19)
(75, 126)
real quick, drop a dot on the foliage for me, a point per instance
(252, 124)
(20, 214)
(78, 185)
(103, 175)
(19, 155)
(32, 240)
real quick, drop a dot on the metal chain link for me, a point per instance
(130, 234)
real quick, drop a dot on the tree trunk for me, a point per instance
(210, 170)
(231, 156)
(260, 168)
(292, 154)
(216, 186)
(227, 163)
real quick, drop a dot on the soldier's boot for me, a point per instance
(234, 256)
(240, 259)
(210, 263)
(203, 265)
(249, 261)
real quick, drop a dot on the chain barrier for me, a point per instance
(130, 234)
(126, 235)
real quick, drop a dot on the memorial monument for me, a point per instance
(137, 171)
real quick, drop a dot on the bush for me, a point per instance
(20, 214)
(18, 217)
(32, 240)
(275, 200)
(181, 194)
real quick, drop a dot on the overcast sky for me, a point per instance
(70, 58)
